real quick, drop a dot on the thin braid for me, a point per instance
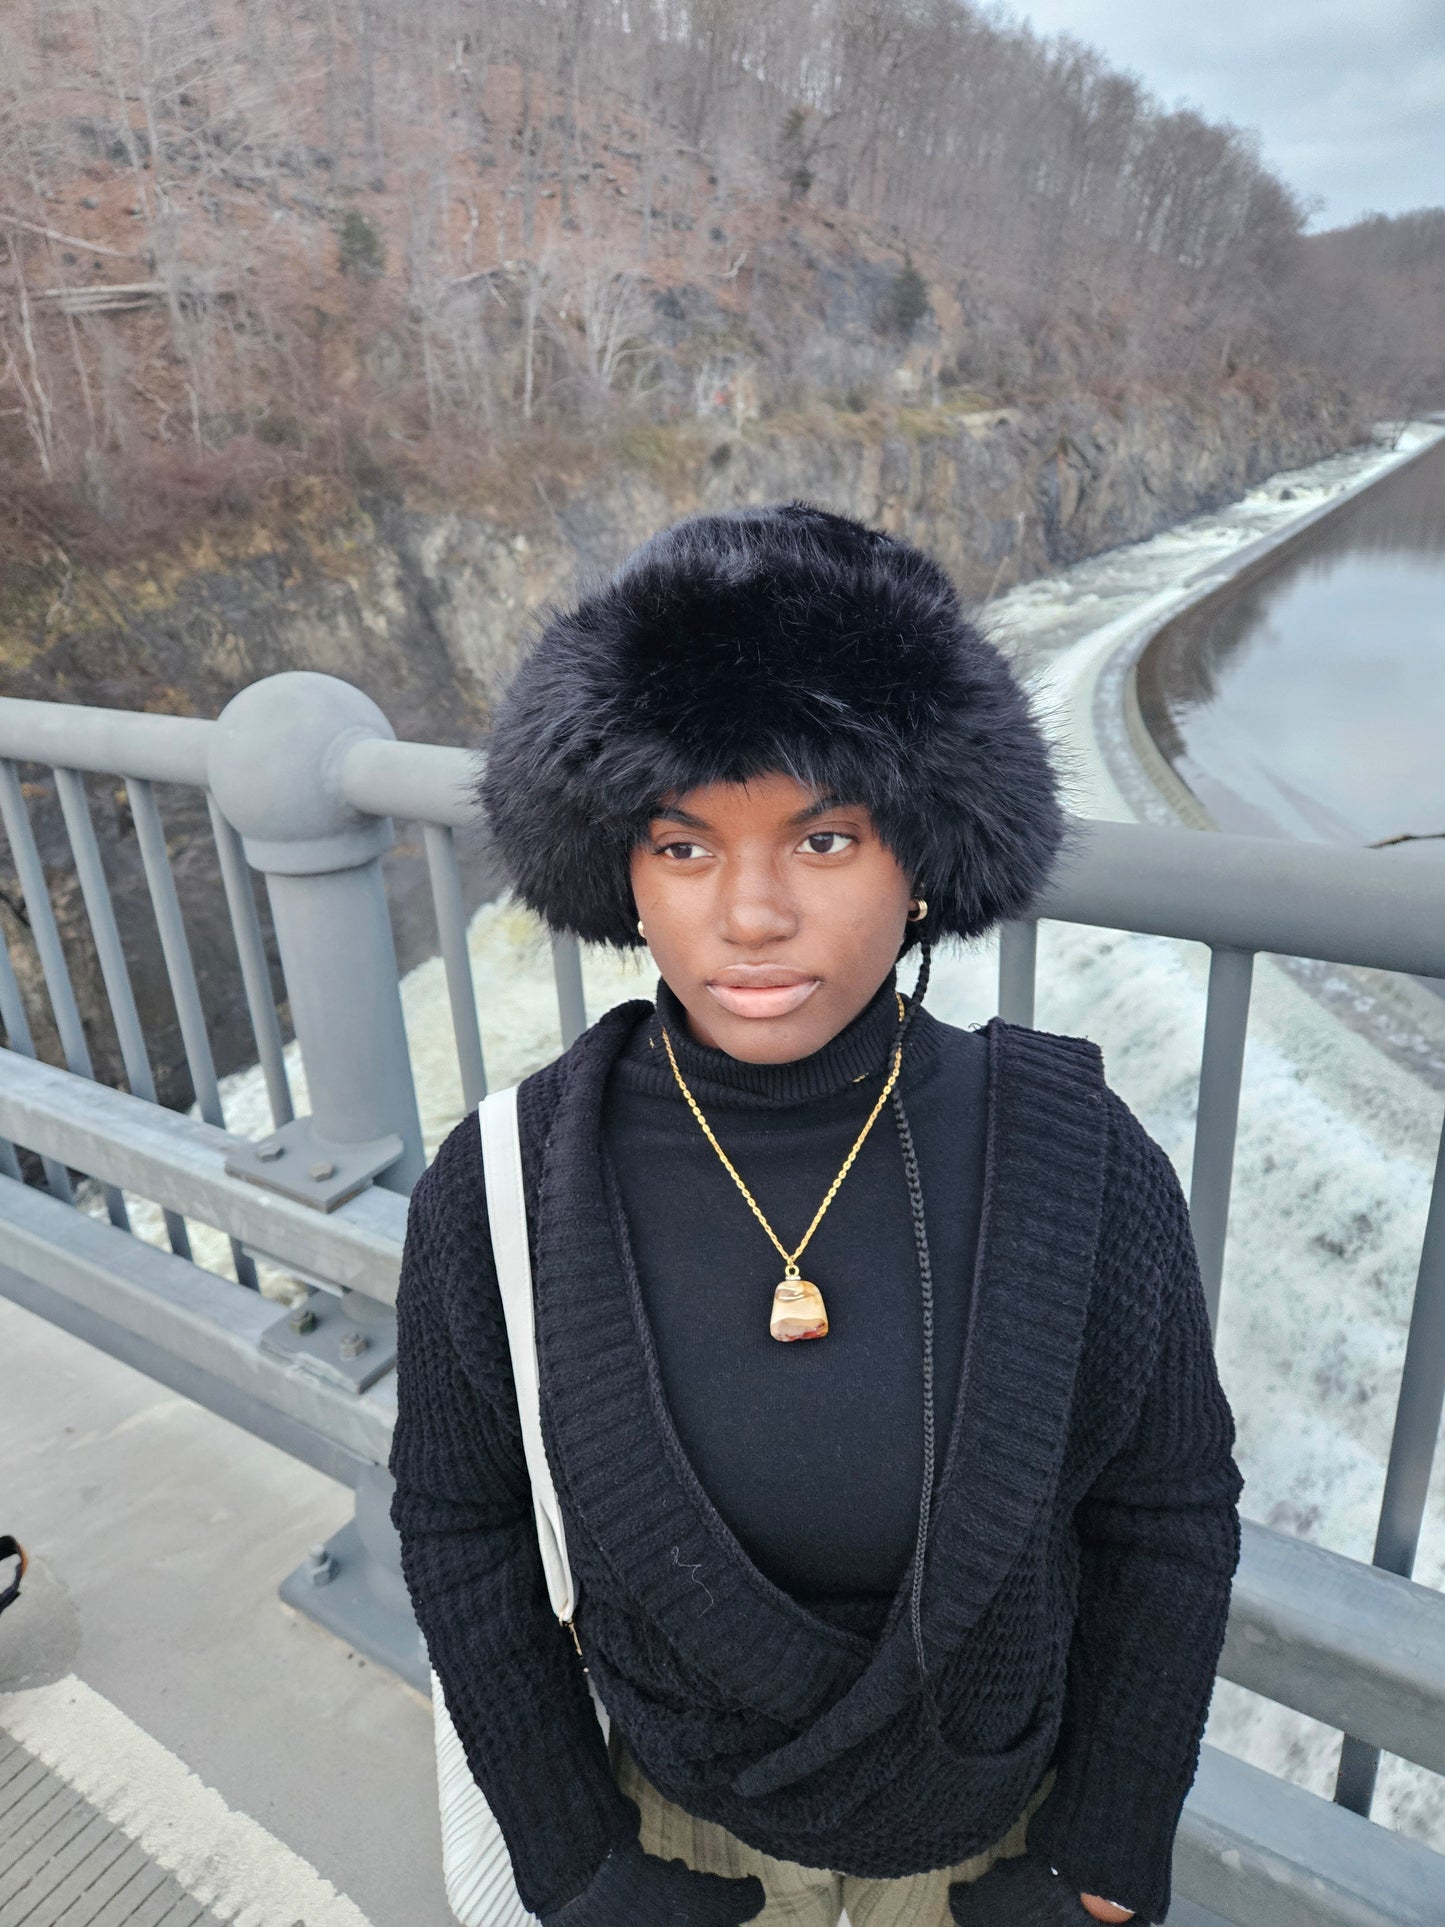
(920, 988)
(925, 1499)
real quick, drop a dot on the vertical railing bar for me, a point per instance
(1018, 950)
(1412, 1456)
(175, 948)
(181, 970)
(1422, 1396)
(567, 974)
(10, 1004)
(446, 890)
(95, 891)
(255, 975)
(46, 935)
(17, 1031)
(42, 922)
(1356, 1774)
(1221, 1070)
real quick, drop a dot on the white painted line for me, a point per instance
(223, 1859)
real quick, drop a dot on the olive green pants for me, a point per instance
(800, 1896)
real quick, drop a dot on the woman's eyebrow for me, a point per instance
(820, 808)
(676, 814)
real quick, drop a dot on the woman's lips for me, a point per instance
(770, 993)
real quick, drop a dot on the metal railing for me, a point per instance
(302, 776)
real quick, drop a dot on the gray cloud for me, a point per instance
(1347, 95)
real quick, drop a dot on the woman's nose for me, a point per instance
(756, 908)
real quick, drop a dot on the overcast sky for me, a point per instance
(1348, 95)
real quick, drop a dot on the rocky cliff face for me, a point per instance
(997, 495)
(424, 604)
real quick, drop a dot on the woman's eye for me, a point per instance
(826, 842)
(680, 851)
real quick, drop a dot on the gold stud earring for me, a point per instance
(918, 910)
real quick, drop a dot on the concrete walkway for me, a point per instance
(173, 1740)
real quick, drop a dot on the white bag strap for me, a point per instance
(507, 1212)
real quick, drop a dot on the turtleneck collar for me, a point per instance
(862, 1049)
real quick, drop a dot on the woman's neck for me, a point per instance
(862, 1048)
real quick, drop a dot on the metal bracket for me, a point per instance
(352, 1585)
(348, 1340)
(301, 1164)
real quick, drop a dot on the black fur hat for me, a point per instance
(777, 638)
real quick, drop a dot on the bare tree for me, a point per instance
(532, 173)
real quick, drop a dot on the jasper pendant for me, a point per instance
(798, 1311)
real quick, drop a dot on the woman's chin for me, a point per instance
(775, 1040)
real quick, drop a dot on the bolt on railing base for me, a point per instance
(352, 1585)
(296, 1160)
(348, 1340)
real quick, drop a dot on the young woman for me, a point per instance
(877, 1380)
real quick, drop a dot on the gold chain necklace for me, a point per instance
(798, 1308)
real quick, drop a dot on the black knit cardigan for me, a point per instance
(1083, 1542)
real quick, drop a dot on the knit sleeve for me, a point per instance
(513, 1683)
(1159, 1542)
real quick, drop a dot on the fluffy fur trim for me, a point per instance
(779, 638)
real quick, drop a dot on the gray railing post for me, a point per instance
(275, 771)
(1226, 1019)
(274, 766)
(1018, 951)
(1412, 1456)
(571, 999)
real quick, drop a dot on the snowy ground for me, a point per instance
(1336, 1145)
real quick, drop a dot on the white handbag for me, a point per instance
(476, 1866)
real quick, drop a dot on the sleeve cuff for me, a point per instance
(1111, 1831)
(620, 1878)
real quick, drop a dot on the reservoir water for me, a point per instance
(1309, 699)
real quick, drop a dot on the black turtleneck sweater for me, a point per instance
(811, 1452)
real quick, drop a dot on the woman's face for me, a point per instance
(773, 914)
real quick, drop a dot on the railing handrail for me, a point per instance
(180, 1162)
(424, 782)
(105, 742)
(418, 781)
(1381, 909)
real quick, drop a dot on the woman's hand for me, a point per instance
(631, 1887)
(1022, 1891)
